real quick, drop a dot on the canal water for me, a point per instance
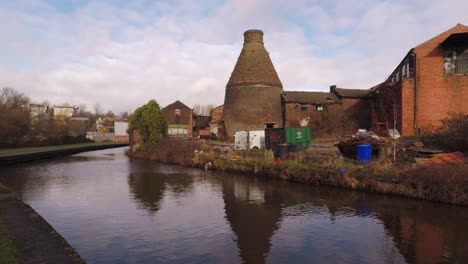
(115, 210)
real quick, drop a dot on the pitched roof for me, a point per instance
(254, 66)
(459, 28)
(171, 118)
(310, 97)
(177, 104)
(353, 93)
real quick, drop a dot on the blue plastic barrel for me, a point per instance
(364, 153)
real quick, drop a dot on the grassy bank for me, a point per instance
(8, 252)
(16, 151)
(442, 183)
(7, 248)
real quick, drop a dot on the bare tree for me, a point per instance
(98, 110)
(110, 114)
(203, 110)
(124, 115)
(14, 116)
(11, 98)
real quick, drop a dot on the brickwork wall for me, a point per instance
(407, 108)
(437, 94)
(185, 117)
(217, 114)
(135, 140)
(247, 108)
(335, 120)
(121, 138)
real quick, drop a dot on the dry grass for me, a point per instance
(8, 252)
(445, 183)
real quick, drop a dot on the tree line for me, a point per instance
(19, 127)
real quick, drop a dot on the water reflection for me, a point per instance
(424, 232)
(147, 190)
(254, 214)
(113, 210)
(280, 222)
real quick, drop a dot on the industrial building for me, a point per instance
(430, 83)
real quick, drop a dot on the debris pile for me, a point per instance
(411, 151)
(348, 146)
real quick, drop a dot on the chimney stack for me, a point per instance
(253, 36)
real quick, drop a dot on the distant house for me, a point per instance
(63, 112)
(105, 125)
(120, 130)
(179, 118)
(216, 122)
(38, 112)
(429, 83)
(201, 126)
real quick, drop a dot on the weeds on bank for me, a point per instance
(8, 254)
(452, 135)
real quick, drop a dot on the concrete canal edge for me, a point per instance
(33, 238)
(6, 160)
(30, 238)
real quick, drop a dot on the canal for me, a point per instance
(115, 210)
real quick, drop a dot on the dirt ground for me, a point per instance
(36, 241)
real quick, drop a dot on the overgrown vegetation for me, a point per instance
(452, 135)
(7, 248)
(445, 183)
(150, 123)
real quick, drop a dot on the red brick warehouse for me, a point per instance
(430, 83)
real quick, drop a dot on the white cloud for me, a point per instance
(122, 56)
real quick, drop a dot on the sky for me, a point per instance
(123, 53)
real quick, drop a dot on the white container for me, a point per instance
(255, 139)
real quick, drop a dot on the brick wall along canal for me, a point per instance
(113, 210)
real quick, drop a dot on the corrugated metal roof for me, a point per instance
(310, 97)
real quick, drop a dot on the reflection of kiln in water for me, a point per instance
(248, 193)
(254, 214)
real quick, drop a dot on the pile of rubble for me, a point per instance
(423, 155)
(348, 146)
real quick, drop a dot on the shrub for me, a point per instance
(150, 123)
(452, 135)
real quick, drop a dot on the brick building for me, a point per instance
(216, 122)
(179, 118)
(429, 83)
(356, 106)
(309, 109)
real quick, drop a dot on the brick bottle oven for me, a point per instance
(253, 93)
